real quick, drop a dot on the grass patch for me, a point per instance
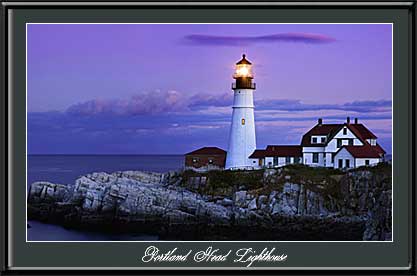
(323, 180)
(224, 182)
(312, 174)
(326, 181)
(383, 168)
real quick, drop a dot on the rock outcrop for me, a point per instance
(370, 193)
(283, 207)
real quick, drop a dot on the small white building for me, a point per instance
(276, 156)
(356, 156)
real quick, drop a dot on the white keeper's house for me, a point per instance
(346, 145)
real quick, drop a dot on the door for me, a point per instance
(347, 163)
(340, 163)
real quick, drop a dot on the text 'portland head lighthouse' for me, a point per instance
(242, 140)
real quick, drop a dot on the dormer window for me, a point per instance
(339, 143)
(323, 140)
(314, 140)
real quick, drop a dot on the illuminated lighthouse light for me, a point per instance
(243, 71)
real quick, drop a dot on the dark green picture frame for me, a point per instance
(18, 256)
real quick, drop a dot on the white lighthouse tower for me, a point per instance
(242, 140)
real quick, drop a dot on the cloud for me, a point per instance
(147, 103)
(130, 126)
(329, 118)
(63, 132)
(368, 106)
(203, 100)
(157, 102)
(175, 122)
(297, 105)
(150, 103)
(213, 40)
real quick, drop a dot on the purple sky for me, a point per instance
(166, 89)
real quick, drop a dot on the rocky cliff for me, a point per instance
(291, 203)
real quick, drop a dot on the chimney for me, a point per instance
(348, 120)
(356, 121)
(320, 121)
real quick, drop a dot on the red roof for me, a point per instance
(207, 151)
(379, 149)
(361, 130)
(277, 150)
(258, 154)
(366, 151)
(330, 130)
(319, 129)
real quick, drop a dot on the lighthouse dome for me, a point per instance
(243, 61)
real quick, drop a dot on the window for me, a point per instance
(323, 140)
(210, 161)
(275, 161)
(344, 131)
(347, 163)
(339, 143)
(333, 154)
(253, 161)
(350, 142)
(315, 157)
(314, 140)
(297, 160)
(243, 121)
(195, 160)
(366, 162)
(340, 163)
(288, 160)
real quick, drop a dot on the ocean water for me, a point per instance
(65, 169)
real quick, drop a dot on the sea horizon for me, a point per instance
(104, 154)
(66, 168)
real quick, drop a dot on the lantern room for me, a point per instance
(243, 75)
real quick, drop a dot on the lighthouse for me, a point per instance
(242, 139)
